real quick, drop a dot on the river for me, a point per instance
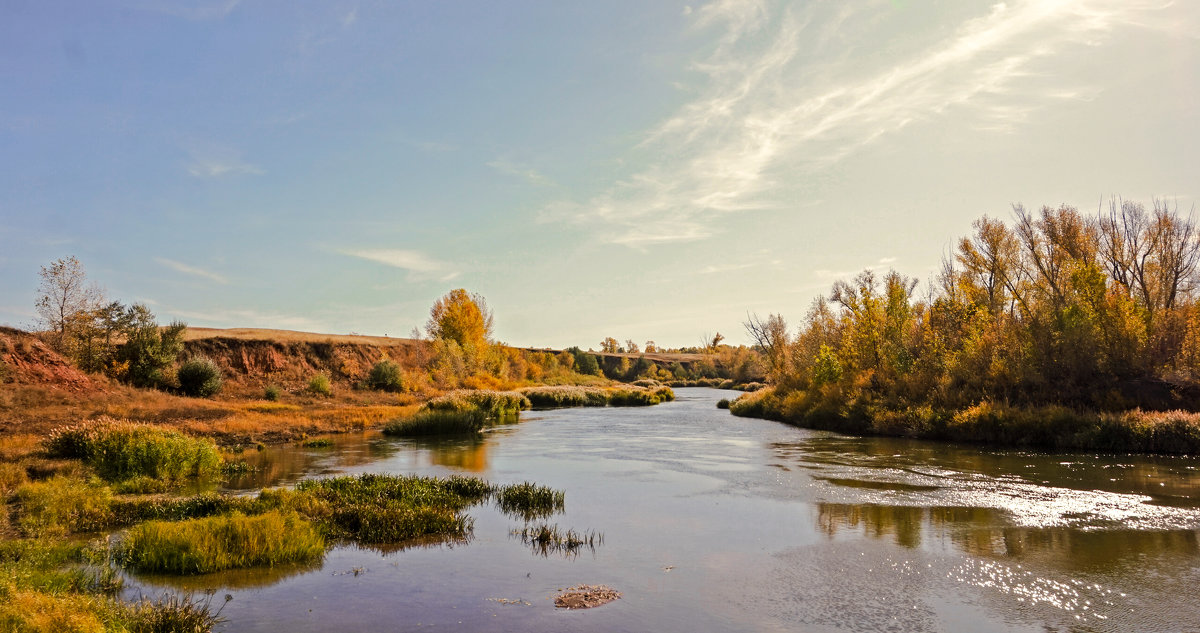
(717, 523)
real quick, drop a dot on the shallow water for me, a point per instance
(716, 523)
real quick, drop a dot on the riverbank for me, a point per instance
(1046, 427)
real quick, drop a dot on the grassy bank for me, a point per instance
(557, 397)
(1047, 427)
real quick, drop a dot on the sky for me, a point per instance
(641, 170)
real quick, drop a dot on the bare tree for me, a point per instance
(64, 293)
(771, 336)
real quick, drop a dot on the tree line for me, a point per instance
(1097, 312)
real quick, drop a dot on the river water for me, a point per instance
(717, 523)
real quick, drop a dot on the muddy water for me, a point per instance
(715, 523)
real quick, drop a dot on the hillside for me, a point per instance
(254, 355)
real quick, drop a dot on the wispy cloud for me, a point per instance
(525, 172)
(191, 270)
(418, 264)
(784, 95)
(214, 160)
(247, 318)
(193, 9)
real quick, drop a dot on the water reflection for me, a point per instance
(982, 532)
(469, 454)
(250, 578)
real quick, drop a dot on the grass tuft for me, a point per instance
(529, 501)
(200, 546)
(546, 539)
(123, 450)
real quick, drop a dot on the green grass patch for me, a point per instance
(62, 505)
(124, 450)
(493, 404)
(390, 508)
(211, 544)
(529, 501)
(425, 423)
(556, 397)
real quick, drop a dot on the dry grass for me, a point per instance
(292, 336)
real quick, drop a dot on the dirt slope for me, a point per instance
(26, 360)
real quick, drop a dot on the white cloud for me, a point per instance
(215, 169)
(786, 95)
(248, 318)
(213, 160)
(192, 9)
(420, 265)
(191, 270)
(510, 168)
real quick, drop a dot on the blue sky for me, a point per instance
(642, 170)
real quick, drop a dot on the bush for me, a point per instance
(123, 450)
(272, 393)
(319, 385)
(386, 375)
(199, 546)
(723, 403)
(199, 377)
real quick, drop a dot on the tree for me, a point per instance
(63, 294)
(148, 349)
(463, 318)
(771, 337)
(630, 346)
(650, 347)
(609, 345)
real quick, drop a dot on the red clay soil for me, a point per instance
(26, 360)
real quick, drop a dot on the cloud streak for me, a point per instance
(782, 96)
(418, 264)
(191, 270)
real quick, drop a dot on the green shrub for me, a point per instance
(200, 546)
(319, 385)
(437, 423)
(61, 505)
(123, 450)
(272, 393)
(386, 375)
(723, 403)
(199, 377)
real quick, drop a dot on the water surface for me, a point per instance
(716, 523)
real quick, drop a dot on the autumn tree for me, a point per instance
(461, 317)
(64, 293)
(609, 345)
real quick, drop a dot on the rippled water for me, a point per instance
(716, 523)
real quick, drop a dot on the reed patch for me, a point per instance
(212, 544)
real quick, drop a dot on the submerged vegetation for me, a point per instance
(545, 539)
(1060, 331)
